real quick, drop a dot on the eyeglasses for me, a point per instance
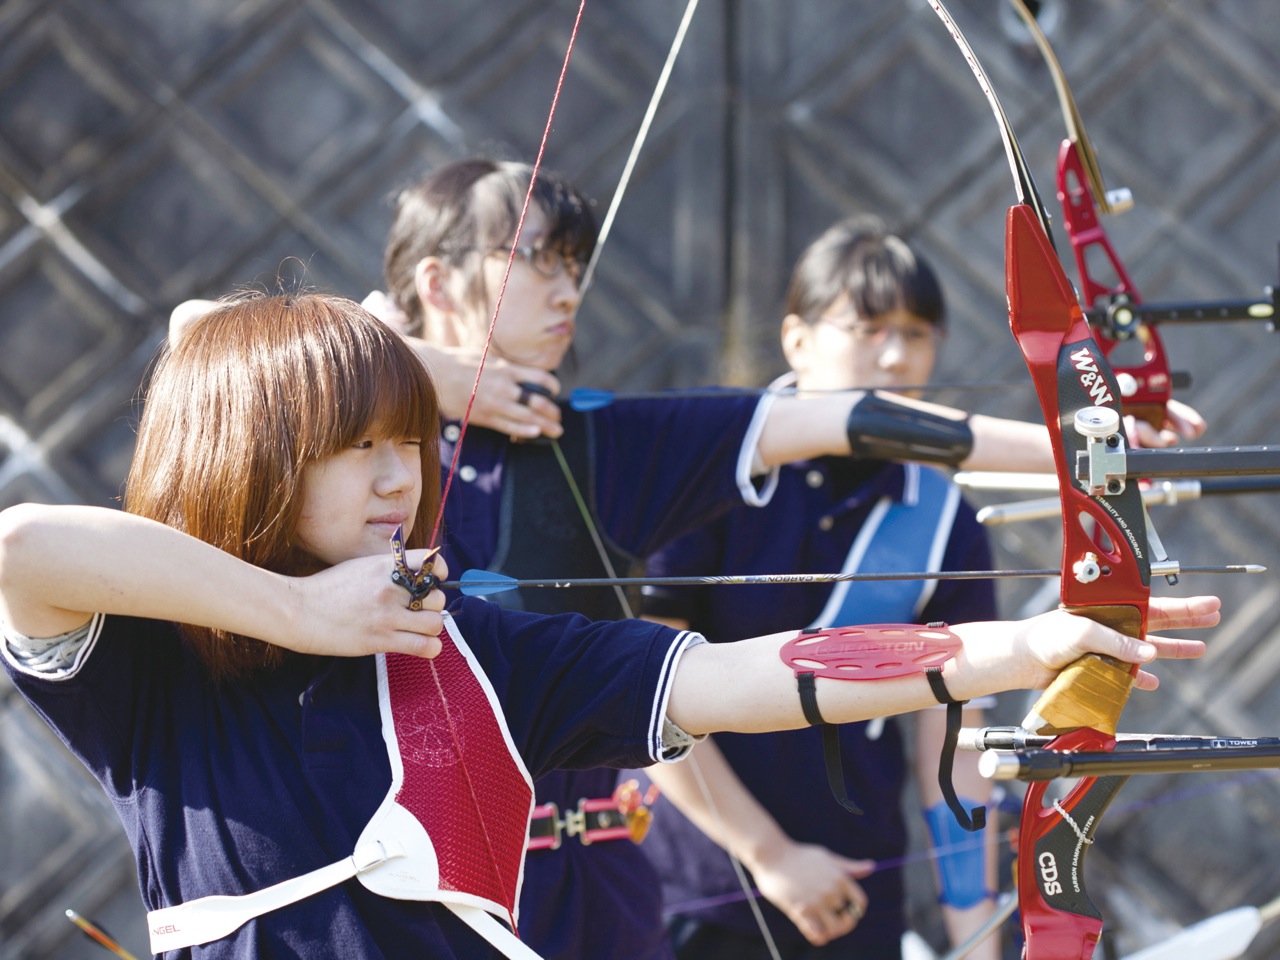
(546, 261)
(873, 333)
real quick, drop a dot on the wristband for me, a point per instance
(879, 429)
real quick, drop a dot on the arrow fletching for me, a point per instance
(586, 399)
(482, 583)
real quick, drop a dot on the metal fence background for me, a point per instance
(155, 150)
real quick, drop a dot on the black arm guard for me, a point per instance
(879, 429)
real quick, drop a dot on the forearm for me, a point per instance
(745, 686)
(725, 810)
(962, 924)
(59, 565)
(453, 371)
(502, 402)
(1012, 445)
(798, 428)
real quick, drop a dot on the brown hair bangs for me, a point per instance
(253, 393)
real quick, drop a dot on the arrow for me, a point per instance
(479, 583)
(586, 399)
(98, 935)
(482, 583)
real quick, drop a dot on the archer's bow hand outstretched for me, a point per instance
(730, 686)
(1053, 642)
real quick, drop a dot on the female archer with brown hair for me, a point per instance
(249, 751)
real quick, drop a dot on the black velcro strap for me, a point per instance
(946, 761)
(809, 699)
(939, 688)
(830, 741)
(835, 768)
(971, 820)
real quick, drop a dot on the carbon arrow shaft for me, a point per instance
(481, 582)
(482, 579)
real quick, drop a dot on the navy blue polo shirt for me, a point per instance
(658, 469)
(808, 527)
(229, 789)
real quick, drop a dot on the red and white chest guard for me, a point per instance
(451, 829)
(460, 795)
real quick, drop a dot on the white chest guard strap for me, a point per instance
(212, 918)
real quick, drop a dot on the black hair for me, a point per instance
(878, 271)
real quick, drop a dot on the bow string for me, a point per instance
(420, 581)
(612, 579)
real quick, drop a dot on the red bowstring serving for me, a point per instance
(475, 388)
(502, 289)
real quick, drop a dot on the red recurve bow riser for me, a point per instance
(1083, 705)
(1152, 382)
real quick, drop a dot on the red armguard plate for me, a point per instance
(874, 652)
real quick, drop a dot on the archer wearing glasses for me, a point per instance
(546, 260)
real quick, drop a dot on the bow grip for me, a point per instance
(1091, 691)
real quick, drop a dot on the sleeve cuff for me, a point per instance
(755, 492)
(51, 658)
(669, 742)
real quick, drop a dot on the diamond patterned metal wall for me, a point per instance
(156, 150)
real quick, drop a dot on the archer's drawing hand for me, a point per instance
(815, 888)
(503, 402)
(517, 400)
(354, 609)
(1057, 638)
(1181, 423)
